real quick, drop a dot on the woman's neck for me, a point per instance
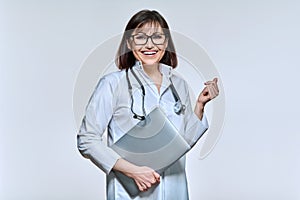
(151, 70)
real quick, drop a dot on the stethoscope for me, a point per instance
(179, 108)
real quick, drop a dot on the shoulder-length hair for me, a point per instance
(125, 58)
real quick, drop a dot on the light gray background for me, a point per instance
(254, 45)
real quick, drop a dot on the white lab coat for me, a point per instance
(110, 107)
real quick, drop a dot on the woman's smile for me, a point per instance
(149, 53)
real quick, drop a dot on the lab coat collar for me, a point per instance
(166, 70)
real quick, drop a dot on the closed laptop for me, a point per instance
(154, 142)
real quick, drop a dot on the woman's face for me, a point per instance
(148, 44)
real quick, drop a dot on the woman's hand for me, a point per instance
(210, 92)
(144, 177)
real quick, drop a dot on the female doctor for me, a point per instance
(147, 57)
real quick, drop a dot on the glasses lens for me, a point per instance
(158, 38)
(140, 39)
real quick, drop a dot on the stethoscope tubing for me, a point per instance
(179, 108)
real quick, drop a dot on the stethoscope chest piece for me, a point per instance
(179, 108)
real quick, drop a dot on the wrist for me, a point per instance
(200, 107)
(199, 110)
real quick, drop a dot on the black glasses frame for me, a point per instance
(149, 36)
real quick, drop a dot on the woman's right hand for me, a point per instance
(144, 177)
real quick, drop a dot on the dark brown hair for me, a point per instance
(125, 58)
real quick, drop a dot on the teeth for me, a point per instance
(149, 52)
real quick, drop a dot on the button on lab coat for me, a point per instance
(109, 108)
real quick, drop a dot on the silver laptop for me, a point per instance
(154, 142)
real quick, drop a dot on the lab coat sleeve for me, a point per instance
(194, 127)
(90, 137)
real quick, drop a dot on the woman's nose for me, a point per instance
(149, 44)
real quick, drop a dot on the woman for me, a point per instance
(148, 51)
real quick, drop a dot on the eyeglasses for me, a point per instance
(142, 38)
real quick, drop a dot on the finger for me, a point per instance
(147, 185)
(215, 84)
(215, 80)
(208, 82)
(153, 180)
(212, 92)
(140, 186)
(214, 89)
(156, 176)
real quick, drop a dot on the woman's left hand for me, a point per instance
(210, 92)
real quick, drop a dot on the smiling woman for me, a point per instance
(123, 99)
(142, 26)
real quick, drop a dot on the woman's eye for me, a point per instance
(140, 37)
(157, 36)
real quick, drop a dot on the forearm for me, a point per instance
(125, 167)
(199, 110)
(144, 177)
(95, 149)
